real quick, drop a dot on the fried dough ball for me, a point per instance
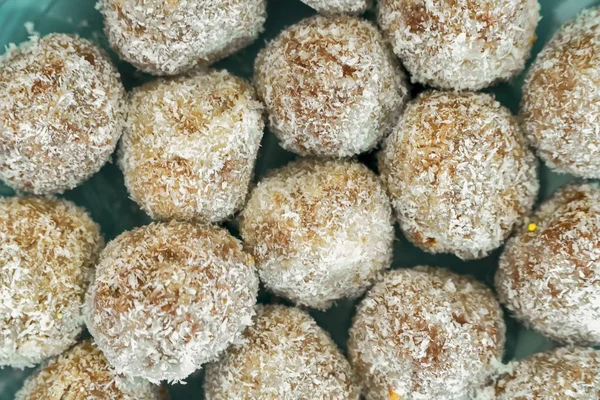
(426, 333)
(62, 110)
(549, 272)
(83, 373)
(460, 44)
(169, 37)
(331, 86)
(284, 355)
(319, 230)
(169, 297)
(459, 173)
(561, 98)
(339, 6)
(47, 250)
(563, 373)
(190, 146)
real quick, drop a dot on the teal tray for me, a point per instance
(104, 195)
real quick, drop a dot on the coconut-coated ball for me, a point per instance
(549, 272)
(62, 110)
(169, 37)
(331, 86)
(283, 355)
(339, 6)
(562, 373)
(47, 251)
(561, 98)
(190, 145)
(426, 333)
(459, 173)
(460, 44)
(319, 230)
(82, 373)
(169, 297)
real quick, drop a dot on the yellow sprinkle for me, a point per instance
(394, 396)
(59, 315)
(532, 227)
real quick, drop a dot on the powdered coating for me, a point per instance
(561, 98)
(549, 277)
(83, 373)
(168, 37)
(459, 173)
(332, 87)
(319, 230)
(285, 355)
(339, 6)
(426, 333)
(62, 109)
(47, 250)
(563, 373)
(190, 146)
(460, 44)
(169, 297)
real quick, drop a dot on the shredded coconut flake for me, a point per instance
(426, 333)
(550, 277)
(339, 6)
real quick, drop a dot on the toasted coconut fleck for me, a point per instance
(563, 373)
(320, 230)
(459, 173)
(426, 333)
(285, 355)
(550, 277)
(339, 6)
(169, 297)
(62, 109)
(47, 250)
(461, 44)
(83, 373)
(168, 37)
(561, 98)
(332, 87)
(190, 146)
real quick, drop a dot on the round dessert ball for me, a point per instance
(169, 37)
(82, 373)
(460, 44)
(62, 110)
(331, 86)
(47, 250)
(283, 355)
(459, 173)
(568, 372)
(319, 230)
(169, 297)
(339, 6)
(426, 333)
(190, 145)
(549, 272)
(561, 98)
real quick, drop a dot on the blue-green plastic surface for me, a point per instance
(104, 195)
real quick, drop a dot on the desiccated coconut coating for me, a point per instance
(169, 297)
(339, 6)
(190, 146)
(459, 173)
(563, 373)
(319, 230)
(83, 373)
(549, 272)
(168, 37)
(284, 355)
(561, 98)
(426, 333)
(332, 87)
(47, 250)
(460, 44)
(62, 109)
